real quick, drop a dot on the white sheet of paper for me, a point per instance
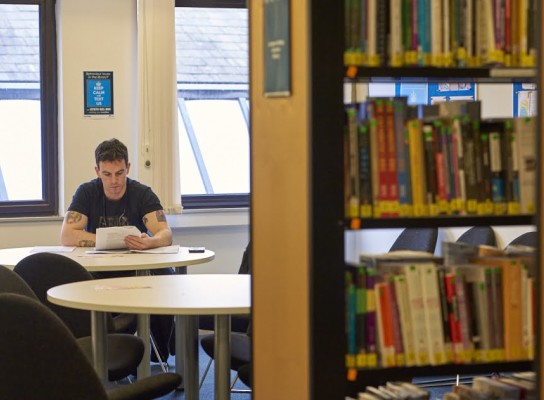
(52, 249)
(114, 237)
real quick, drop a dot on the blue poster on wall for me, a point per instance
(451, 91)
(98, 91)
(524, 99)
(431, 93)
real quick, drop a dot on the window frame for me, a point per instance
(216, 201)
(48, 206)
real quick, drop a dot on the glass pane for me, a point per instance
(212, 75)
(223, 142)
(20, 116)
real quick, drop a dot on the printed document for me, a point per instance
(114, 237)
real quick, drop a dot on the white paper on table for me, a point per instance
(114, 237)
(53, 249)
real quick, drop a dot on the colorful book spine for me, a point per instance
(403, 157)
(392, 203)
(400, 357)
(384, 321)
(371, 349)
(432, 312)
(365, 170)
(417, 310)
(360, 316)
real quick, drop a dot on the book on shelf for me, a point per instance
(526, 158)
(353, 160)
(384, 321)
(464, 350)
(403, 300)
(400, 355)
(433, 313)
(431, 152)
(403, 161)
(365, 169)
(466, 392)
(527, 389)
(391, 160)
(361, 308)
(512, 270)
(447, 311)
(495, 388)
(377, 259)
(441, 33)
(511, 168)
(370, 318)
(417, 165)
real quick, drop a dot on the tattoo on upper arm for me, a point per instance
(87, 243)
(73, 217)
(161, 217)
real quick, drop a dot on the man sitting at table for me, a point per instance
(113, 199)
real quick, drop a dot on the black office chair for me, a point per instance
(41, 358)
(529, 239)
(479, 235)
(244, 373)
(10, 282)
(42, 271)
(240, 330)
(416, 239)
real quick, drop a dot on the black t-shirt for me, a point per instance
(139, 200)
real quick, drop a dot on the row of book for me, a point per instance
(515, 387)
(405, 160)
(393, 390)
(441, 33)
(406, 311)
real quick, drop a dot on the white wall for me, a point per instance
(101, 35)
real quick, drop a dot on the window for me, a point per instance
(213, 103)
(28, 109)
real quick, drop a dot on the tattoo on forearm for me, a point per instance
(73, 217)
(87, 243)
(161, 217)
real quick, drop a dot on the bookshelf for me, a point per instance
(297, 212)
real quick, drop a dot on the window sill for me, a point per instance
(209, 218)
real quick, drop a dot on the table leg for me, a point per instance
(187, 354)
(144, 333)
(99, 343)
(144, 369)
(222, 357)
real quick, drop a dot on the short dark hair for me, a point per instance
(111, 150)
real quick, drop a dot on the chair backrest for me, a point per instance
(239, 323)
(526, 239)
(42, 271)
(10, 282)
(245, 265)
(40, 356)
(416, 239)
(478, 235)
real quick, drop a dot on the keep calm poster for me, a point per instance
(98, 93)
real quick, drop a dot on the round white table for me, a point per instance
(112, 262)
(142, 263)
(185, 296)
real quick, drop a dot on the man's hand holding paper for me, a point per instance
(115, 237)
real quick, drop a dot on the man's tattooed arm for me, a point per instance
(161, 217)
(73, 217)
